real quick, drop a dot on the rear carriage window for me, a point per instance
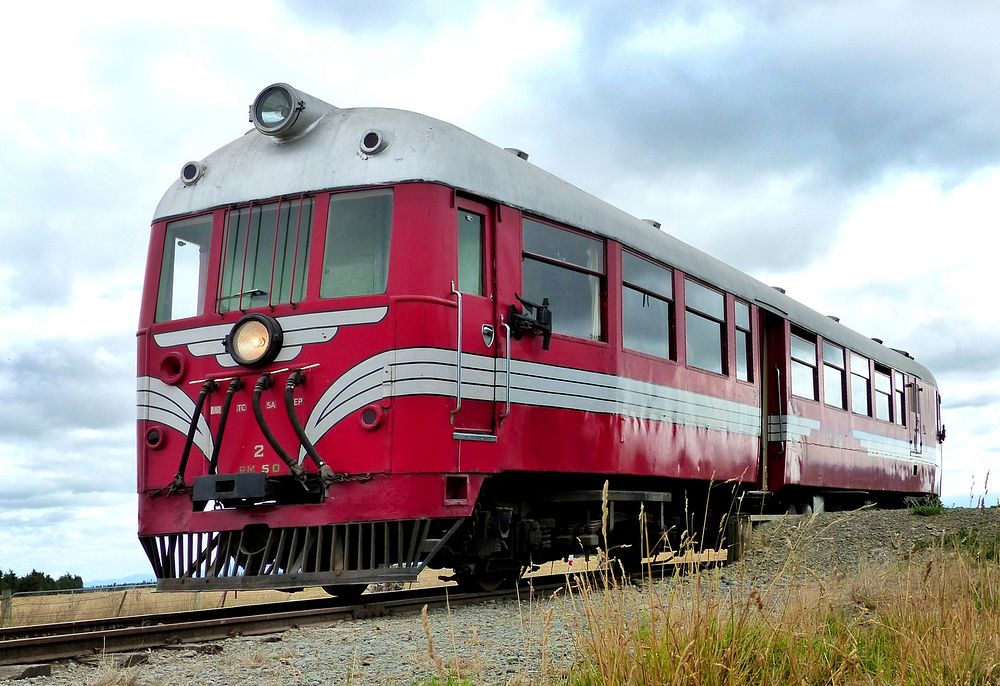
(744, 353)
(356, 258)
(705, 324)
(883, 393)
(899, 399)
(804, 367)
(568, 269)
(647, 306)
(266, 255)
(860, 395)
(184, 270)
(834, 376)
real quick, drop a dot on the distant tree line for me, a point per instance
(39, 581)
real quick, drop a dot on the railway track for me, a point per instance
(65, 640)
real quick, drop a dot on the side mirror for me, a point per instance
(535, 319)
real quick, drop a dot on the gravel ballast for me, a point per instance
(507, 642)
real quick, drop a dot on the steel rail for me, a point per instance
(47, 643)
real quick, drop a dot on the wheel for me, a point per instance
(484, 582)
(346, 591)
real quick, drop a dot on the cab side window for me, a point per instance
(567, 268)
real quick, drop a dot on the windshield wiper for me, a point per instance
(252, 292)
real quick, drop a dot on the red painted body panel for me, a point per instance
(413, 446)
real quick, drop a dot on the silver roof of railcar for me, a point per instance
(421, 148)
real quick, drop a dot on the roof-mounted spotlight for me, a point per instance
(285, 113)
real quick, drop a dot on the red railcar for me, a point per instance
(371, 342)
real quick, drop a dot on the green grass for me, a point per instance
(927, 506)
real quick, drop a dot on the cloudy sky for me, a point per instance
(847, 151)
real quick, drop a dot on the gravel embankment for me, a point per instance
(504, 642)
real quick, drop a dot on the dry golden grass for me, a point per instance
(933, 620)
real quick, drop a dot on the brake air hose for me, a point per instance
(234, 385)
(206, 388)
(294, 379)
(264, 382)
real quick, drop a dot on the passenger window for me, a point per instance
(470, 252)
(860, 394)
(705, 324)
(804, 368)
(899, 399)
(647, 306)
(834, 376)
(568, 269)
(356, 257)
(883, 393)
(184, 269)
(266, 255)
(744, 350)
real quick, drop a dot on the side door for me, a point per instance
(474, 415)
(774, 394)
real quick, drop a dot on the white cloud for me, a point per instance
(844, 151)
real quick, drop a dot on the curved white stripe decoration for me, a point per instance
(298, 330)
(170, 406)
(431, 371)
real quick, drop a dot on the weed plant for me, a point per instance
(927, 506)
(933, 620)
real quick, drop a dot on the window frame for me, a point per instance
(737, 330)
(810, 339)
(322, 244)
(841, 372)
(899, 397)
(723, 326)
(600, 275)
(671, 337)
(467, 207)
(208, 268)
(884, 372)
(298, 289)
(868, 383)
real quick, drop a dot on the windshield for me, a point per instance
(266, 255)
(184, 271)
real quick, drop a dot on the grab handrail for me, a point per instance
(506, 328)
(458, 353)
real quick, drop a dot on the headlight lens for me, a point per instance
(255, 340)
(274, 107)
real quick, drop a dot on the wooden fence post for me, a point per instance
(6, 606)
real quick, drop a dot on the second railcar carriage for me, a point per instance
(371, 342)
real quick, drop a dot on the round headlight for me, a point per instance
(255, 340)
(275, 109)
(285, 113)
